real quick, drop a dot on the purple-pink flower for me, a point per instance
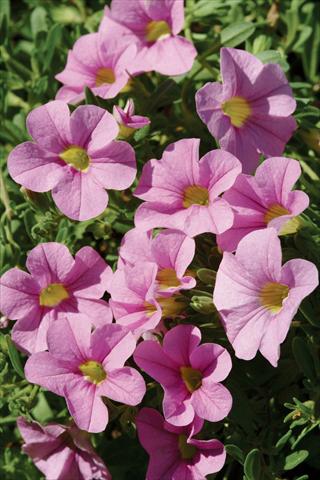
(189, 373)
(265, 200)
(153, 26)
(128, 122)
(257, 297)
(182, 193)
(84, 366)
(174, 453)
(61, 452)
(251, 112)
(98, 61)
(75, 156)
(171, 250)
(56, 285)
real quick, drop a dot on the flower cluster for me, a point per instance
(87, 349)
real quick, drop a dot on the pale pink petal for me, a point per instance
(83, 123)
(124, 385)
(104, 131)
(173, 55)
(117, 346)
(30, 333)
(212, 401)
(212, 455)
(221, 169)
(69, 338)
(19, 295)
(177, 406)
(212, 360)
(173, 249)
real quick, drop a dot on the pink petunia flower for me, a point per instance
(56, 285)
(75, 157)
(189, 374)
(257, 297)
(61, 452)
(128, 122)
(174, 453)
(98, 61)
(153, 27)
(265, 200)
(83, 367)
(251, 113)
(182, 193)
(171, 250)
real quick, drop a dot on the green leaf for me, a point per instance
(283, 440)
(53, 39)
(207, 276)
(304, 358)
(91, 99)
(235, 452)
(273, 56)
(252, 465)
(294, 459)
(38, 20)
(237, 33)
(14, 357)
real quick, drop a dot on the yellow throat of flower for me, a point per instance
(238, 109)
(157, 29)
(77, 157)
(167, 278)
(195, 195)
(171, 306)
(191, 377)
(187, 451)
(274, 211)
(52, 295)
(93, 371)
(272, 296)
(105, 76)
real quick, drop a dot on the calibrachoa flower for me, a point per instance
(128, 122)
(257, 297)
(75, 157)
(189, 374)
(56, 285)
(265, 200)
(182, 192)
(99, 62)
(171, 250)
(153, 27)
(83, 367)
(61, 452)
(174, 453)
(134, 299)
(251, 112)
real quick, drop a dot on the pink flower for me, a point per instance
(189, 374)
(61, 452)
(56, 285)
(75, 157)
(182, 192)
(251, 112)
(128, 122)
(83, 367)
(153, 27)
(174, 453)
(257, 298)
(99, 62)
(171, 250)
(265, 200)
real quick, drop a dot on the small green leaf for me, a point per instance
(283, 440)
(235, 452)
(237, 33)
(294, 459)
(252, 465)
(207, 276)
(14, 357)
(38, 21)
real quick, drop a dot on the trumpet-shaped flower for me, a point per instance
(99, 62)
(61, 452)
(265, 200)
(56, 285)
(171, 250)
(182, 193)
(153, 27)
(136, 304)
(257, 297)
(189, 373)
(174, 453)
(128, 122)
(84, 366)
(251, 113)
(75, 157)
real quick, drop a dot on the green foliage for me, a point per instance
(263, 440)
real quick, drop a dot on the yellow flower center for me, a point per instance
(291, 226)
(238, 109)
(167, 278)
(105, 75)
(157, 29)
(192, 378)
(272, 296)
(171, 306)
(187, 451)
(93, 371)
(274, 211)
(52, 295)
(77, 157)
(195, 195)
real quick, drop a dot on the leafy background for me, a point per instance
(273, 429)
